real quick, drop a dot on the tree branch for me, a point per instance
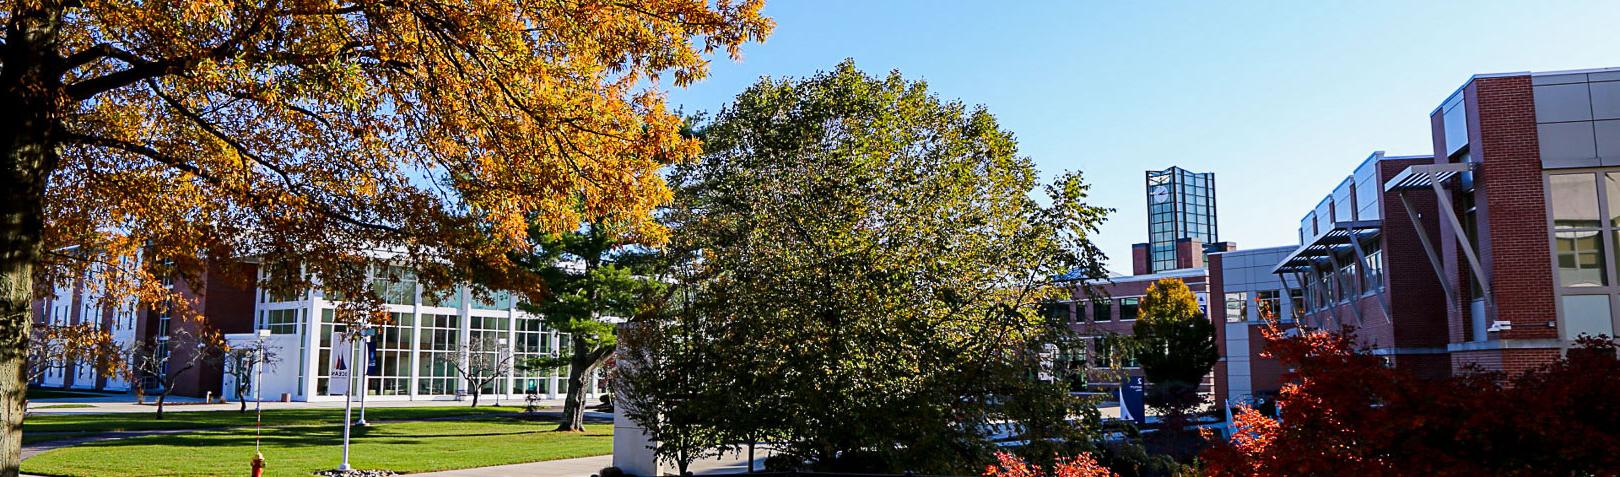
(291, 184)
(143, 69)
(142, 150)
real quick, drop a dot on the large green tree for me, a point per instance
(877, 257)
(595, 277)
(1175, 343)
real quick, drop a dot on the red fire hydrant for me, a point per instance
(258, 464)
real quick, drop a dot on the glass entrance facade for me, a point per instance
(417, 348)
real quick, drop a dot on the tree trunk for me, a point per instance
(161, 397)
(573, 415)
(29, 94)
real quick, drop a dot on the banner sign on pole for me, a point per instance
(372, 366)
(1131, 405)
(338, 366)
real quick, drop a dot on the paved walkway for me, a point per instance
(587, 466)
(119, 403)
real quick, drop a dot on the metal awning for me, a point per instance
(1330, 242)
(1425, 176)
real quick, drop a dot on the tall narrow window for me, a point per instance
(1296, 298)
(1268, 303)
(1577, 230)
(1237, 307)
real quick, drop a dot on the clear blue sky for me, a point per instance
(1279, 99)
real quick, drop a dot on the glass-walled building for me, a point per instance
(416, 350)
(1181, 204)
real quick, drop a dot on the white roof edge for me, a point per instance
(1257, 250)
(1521, 73)
(1177, 273)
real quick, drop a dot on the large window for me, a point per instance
(1587, 314)
(1127, 308)
(1056, 312)
(393, 356)
(1268, 303)
(1102, 310)
(281, 322)
(1347, 281)
(1237, 307)
(395, 285)
(532, 340)
(1374, 278)
(498, 300)
(487, 336)
(1113, 350)
(440, 341)
(1577, 230)
(450, 298)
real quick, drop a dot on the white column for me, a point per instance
(464, 334)
(632, 447)
(511, 346)
(312, 346)
(415, 361)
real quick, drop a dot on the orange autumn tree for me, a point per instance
(1344, 412)
(1080, 465)
(160, 136)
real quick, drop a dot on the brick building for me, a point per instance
(1360, 264)
(426, 332)
(1529, 165)
(224, 306)
(1495, 251)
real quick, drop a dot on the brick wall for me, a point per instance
(1513, 226)
(1265, 374)
(1139, 259)
(1217, 313)
(1189, 253)
(1417, 301)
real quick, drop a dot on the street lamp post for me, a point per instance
(365, 375)
(500, 346)
(348, 399)
(258, 396)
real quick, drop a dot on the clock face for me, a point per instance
(1160, 194)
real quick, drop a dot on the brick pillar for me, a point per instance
(1140, 261)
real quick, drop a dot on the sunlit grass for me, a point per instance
(403, 447)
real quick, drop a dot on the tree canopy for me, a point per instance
(1176, 342)
(155, 136)
(596, 276)
(304, 131)
(876, 262)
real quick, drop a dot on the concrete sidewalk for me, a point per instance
(587, 466)
(126, 404)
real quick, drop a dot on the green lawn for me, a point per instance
(300, 450)
(216, 419)
(40, 428)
